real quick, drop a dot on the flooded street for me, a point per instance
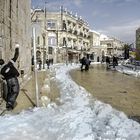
(119, 90)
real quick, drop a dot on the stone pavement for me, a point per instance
(27, 96)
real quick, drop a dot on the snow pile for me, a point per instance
(79, 117)
(128, 71)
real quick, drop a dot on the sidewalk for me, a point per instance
(27, 96)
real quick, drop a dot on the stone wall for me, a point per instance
(15, 29)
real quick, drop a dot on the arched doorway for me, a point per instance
(38, 55)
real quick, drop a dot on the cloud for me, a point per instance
(95, 13)
(77, 2)
(100, 14)
(117, 1)
(55, 5)
(125, 32)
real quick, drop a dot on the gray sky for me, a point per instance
(117, 18)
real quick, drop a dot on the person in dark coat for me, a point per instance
(48, 63)
(115, 61)
(108, 62)
(10, 74)
(83, 62)
(87, 63)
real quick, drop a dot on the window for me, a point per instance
(52, 41)
(64, 41)
(44, 42)
(108, 45)
(50, 49)
(51, 24)
(64, 25)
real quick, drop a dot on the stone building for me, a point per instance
(102, 45)
(15, 29)
(67, 35)
(95, 47)
(38, 18)
(112, 46)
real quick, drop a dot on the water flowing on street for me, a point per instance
(119, 90)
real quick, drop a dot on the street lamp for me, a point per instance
(43, 35)
(65, 44)
(66, 52)
(35, 66)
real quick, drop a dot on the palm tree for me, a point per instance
(126, 51)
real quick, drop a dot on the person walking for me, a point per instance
(40, 64)
(83, 62)
(107, 62)
(48, 63)
(10, 74)
(87, 63)
(115, 61)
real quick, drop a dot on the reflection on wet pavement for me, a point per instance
(120, 91)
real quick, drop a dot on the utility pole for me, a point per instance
(66, 49)
(44, 34)
(35, 67)
(63, 27)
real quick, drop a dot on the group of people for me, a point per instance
(85, 62)
(48, 62)
(114, 61)
(10, 73)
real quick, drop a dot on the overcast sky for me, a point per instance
(117, 18)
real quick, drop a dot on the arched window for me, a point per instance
(52, 41)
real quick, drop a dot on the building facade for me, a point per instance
(67, 35)
(102, 45)
(38, 18)
(112, 46)
(95, 47)
(15, 29)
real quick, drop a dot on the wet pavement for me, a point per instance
(119, 90)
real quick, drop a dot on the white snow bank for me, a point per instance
(78, 118)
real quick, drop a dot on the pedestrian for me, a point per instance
(10, 74)
(87, 63)
(40, 63)
(115, 61)
(48, 63)
(107, 62)
(83, 62)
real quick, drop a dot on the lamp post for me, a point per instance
(35, 67)
(57, 42)
(66, 52)
(43, 35)
(66, 46)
